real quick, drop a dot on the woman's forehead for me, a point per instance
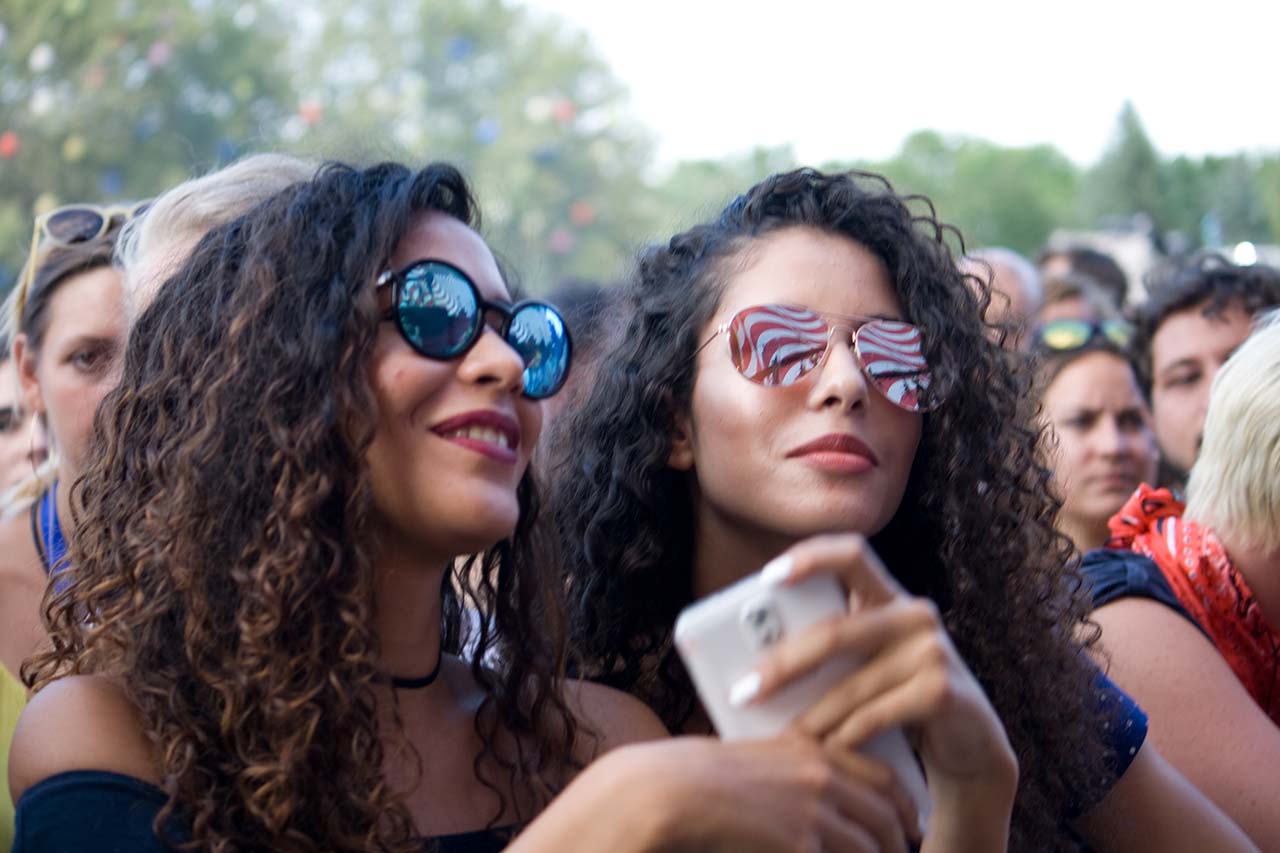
(804, 266)
(441, 237)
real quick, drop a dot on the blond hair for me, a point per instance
(153, 246)
(1234, 488)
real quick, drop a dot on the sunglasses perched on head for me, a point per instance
(1067, 335)
(70, 226)
(779, 345)
(441, 314)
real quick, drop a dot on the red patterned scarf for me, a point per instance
(1195, 564)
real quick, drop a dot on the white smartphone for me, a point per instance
(722, 637)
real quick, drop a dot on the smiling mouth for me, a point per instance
(491, 434)
(479, 433)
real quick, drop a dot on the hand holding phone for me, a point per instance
(723, 638)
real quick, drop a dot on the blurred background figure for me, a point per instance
(585, 306)
(153, 246)
(21, 447)
(1074, 296)
(1200, 309)
(1099, 440)
(1099, 267)
(65, 322)
(1189, 601)
(1016, 289)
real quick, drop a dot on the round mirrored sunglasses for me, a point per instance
(441, 314)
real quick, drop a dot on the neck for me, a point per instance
(727, 550)
(407, 607)
(1085, 533)
(1261, 570)
(66, 480)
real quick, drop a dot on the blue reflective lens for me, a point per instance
(538, 334)
(437, 310)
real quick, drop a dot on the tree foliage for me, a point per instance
(106, 100)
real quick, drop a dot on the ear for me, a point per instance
(24, 362)
(681, 456)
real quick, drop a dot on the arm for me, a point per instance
(699, 794)
(1153, 807)
(1201, 718)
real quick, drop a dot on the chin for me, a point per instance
(839, 519)
(481, 530)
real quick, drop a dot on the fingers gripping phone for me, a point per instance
(724, 636)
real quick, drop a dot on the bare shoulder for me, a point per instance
(619, 718)
(81, 722)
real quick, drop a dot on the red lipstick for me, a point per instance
(837, 452)
(487, 432)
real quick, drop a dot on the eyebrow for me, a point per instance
(97, 340)
(1188, 361)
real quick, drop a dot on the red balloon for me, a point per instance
(10, 144)
(311, 112)
(582, 213)
(564, 111)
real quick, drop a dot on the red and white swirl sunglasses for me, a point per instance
(778, 345)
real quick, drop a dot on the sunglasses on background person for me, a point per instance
(1067, 335)
(778, 345)
(69, 226)
(440, 313)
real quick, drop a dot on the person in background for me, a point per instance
(21, 441)
(153, 245)
(1098, 431)
(586, 306)
(1199, 310)
(1073, 296)
(68, 318)
(65, 324)
(1189, 601)
(1098, 267)
(806, 382)
(1017, 291)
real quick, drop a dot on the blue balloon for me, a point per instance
(487, 131)
(111, 182)
(459, 48)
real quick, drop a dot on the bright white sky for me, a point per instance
(845, 79)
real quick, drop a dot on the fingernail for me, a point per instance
(744, 689)
(777, 570)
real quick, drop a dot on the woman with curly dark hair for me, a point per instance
(807, 370)
(260, 646)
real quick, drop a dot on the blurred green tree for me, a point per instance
(102, 100)
(519, 101)
(995, 195)
(696, 190)
(1130, 177)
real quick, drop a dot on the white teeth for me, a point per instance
(482, 433)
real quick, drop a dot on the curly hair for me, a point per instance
(1205, 278)
(974, 531)
(222, 552)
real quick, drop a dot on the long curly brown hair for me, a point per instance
(975, 529)
(222, 562)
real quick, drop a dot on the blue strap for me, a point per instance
(55, 544)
